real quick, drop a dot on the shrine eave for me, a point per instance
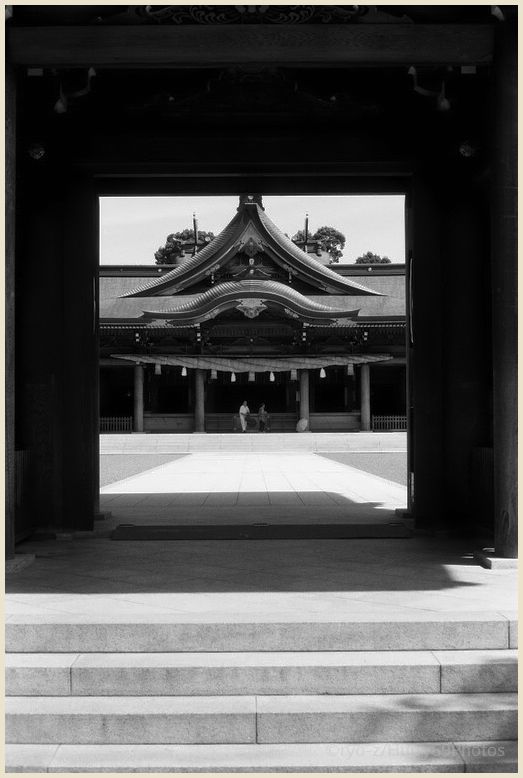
(250, 298)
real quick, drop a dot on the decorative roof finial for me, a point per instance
(306, 233)
(251, 199)
(195, 233)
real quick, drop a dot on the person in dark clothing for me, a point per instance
(263, 417)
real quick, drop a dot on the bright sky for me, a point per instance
(133, 228)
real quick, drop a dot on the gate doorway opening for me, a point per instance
(294, 304)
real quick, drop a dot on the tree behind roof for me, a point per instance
(369, 258)
(174, 245)
(329, 239)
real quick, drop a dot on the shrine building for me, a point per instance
(252, 315)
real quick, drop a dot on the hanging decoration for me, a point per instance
(350, 369)
(294, 375)
(184, 371)
(157, 369)
(256, 364)
(252, 376)
(442, 102)
(233, 377)
(64, 97)
(271, 376)
(214, 375)
(323, 374)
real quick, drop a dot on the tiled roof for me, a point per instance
(303, 258)
(226, 245)
(392, 304)
(189, 266)
(229, 294)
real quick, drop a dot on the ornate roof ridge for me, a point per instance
(199, 258)
(302, 256)
(256, 288)
(251, 210)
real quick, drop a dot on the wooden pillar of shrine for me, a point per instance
(138, 399)
(304, 394)
(10, 213)
(80, 452)
(365, 397)
(199, 400)
(504, 290)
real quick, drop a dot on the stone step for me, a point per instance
(439, 631)
(449, 757)
(176, 443)
(260, 673)
(264, 719)
(262, 531)
(387, 718)
(130, 720)
(478, 671)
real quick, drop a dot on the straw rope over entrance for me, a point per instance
(252, 364)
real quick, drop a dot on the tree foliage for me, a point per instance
(300, 237)
(329, 239)
(332, 241)
(369, 258)
(173, 248)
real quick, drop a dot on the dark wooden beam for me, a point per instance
(10, 214)
(206, 46)
(504, 293)
(426, 413)
(81, 473)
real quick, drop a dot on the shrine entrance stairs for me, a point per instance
(426, 694)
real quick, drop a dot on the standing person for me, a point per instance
(244, 412)
(262, 418)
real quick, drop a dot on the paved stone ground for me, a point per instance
(282, 579)
(389, 465)
(244, 487)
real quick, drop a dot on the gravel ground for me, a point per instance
(387, 465)
(116, 467)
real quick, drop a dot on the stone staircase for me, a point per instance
(424, 694)
(186, 443)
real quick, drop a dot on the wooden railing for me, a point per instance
(348, 421)
(116, 423)
(279, 422)
(224, 422)
(389, 423)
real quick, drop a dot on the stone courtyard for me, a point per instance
(233, 479)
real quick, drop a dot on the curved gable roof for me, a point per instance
(251, 223)
(263, 294)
